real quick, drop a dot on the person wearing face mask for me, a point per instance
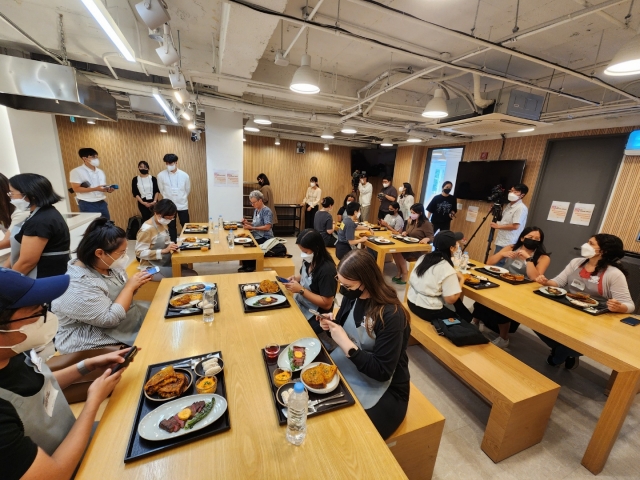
(90, 184)
(350, 198)
(514, 218)
(347, 231)
(98, 310)
(417, 226)
(40, 245)
(315, 287)
(394, 221)
(39, 435)
(372, 332)
(175, 185)
(406, 199)
(10, 216)
(442, 208)
(261, 226)
(323, 222)
(311, 201)
(267, 193)
(386, 196)
(366, 192)
(601, 275)
(526, 257)
(145, 190)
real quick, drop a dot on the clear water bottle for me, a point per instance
(210, 223)
(457, 258)
(220, 221)
(230, 239)
(297, 416)
(216, 233)
(208, 304)
(465, 261)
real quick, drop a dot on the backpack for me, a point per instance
(133, 226)
(274, 248)
(461, 333)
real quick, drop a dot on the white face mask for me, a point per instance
(38, 333)
(307, 257)
(171, 168)
(414, 216)
(95, 162)
(312, 184)
(348, 203)
(163, 221)
(401, 189)
(385, 185)
(587, 251)
(513, 197)
(122, 262)
(357, 214)
(20, 204)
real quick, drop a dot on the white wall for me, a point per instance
(8, 159)
(223, 133)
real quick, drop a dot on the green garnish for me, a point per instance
(294, 367)
(200, 415)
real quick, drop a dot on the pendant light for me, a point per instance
(262, 119)
(277, 142)
(305, 80)
(327, 133)
(251, 126)
(348, 129)
(414, 140)
(437, 106)
(627, 60)
(386, 142)
(163, 129)
(326, 147)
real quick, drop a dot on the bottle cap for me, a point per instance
(207, 288)
(298, 387)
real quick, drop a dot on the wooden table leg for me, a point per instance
(611, 420)
(380, 260)
(260, 263)
(176, 270)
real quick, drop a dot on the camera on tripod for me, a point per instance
(497, 194)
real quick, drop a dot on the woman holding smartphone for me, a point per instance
(153, 245)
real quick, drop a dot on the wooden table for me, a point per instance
(341, 444)
(602, 338)
(219, 252)
(397, 247)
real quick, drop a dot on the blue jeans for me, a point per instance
(95, 207)
(501, 262)
(560, 352)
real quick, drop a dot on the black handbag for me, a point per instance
(460, 334)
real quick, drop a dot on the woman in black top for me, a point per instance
(41, 247)
(323, 222)
(347, 200)
(442, 208)
(375, 362)
(145, 190)
(316, 285)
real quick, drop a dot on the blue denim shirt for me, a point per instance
(262, 217)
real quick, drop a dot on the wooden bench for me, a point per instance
(521, 398)
(283, 266)
(147, 291)
(332, 252)
(416, 441)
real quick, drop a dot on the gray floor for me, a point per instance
(573, 419)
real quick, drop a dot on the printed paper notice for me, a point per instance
(558, 211)
(220, 178)
(582, 213)
(233, 178)
(460, 206)
(472, 214)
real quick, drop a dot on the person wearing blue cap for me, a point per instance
(39, 435)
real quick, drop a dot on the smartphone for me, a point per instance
(631, 321)
(283, 280)
(152, 270)
(450, 321)
(318, 314)
(127, 360)
(115, 187)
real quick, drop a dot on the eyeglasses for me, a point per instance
(43, 312)
(11, 194)
(346, 286)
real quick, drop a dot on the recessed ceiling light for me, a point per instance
(262, 119)
(386, 142)
(348, 129)
(251, 126)
(524, 130)
(165, 106)
(102, 16)
(437, 106)
(305, 80)
(163, 129)
(627, 60)
(326, 133)
(326, 146)
(414, 140)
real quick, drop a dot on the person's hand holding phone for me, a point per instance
(139, 279)
(293, 286)
(108, 360)
(172, 247)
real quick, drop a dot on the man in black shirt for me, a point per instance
(386, 196)
(442, 208)
(39, 436)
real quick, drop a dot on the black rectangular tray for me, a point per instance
(272, 364)
(497, 275)
(600, 309)
(170, 313)
(397, 237)
(381, 244)
(482, 285)
(248, 309)
(138, 447)
(199, 230)
(207, 243)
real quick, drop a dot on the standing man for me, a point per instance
(90, 184)
(514, 218)
(175, 185)
(387, 195)
(366, 192)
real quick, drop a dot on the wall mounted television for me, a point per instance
(376, 162)
(476, 178)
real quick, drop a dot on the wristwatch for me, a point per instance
(301, 292)
(352, 351)
(530, 259)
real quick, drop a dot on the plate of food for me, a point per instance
(581, 299)
(185, 299)
(250, 290)
(494, 269)
(191, 287)
(380, 239)
(364, 234)
(267, 300)
(514, 277)
(182, 416)
(242, 235)
(553, 291)
(471, 279)
(284, 392)
(209, 367)
(231, 226)
(167, 384)
(320, 377)
(299, 354)
(268, 286)
(242, 240)
(411, 239)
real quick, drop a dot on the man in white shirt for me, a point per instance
(514, 218)
(175, 185)
(90, 184)
(366, 191)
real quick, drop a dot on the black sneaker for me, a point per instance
(571, 363)
(551, 362)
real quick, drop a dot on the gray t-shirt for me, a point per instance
(384, 202)
(322, 222)
(347, 230)
(395, 221)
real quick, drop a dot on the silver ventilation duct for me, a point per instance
(45, 87)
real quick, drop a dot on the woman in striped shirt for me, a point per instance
(153, 245)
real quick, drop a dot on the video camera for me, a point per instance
(497, 194)
(355, 179)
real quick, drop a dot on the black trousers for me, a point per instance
(183, 215)
(441, 226)
(250, 265)
(309, 216)
(492, 319)
(429, 315)
(382, 214)
(388, 413)
(342, 249)
(144, 212)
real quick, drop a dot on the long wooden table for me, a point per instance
(603, 338)
(397, 247)
(340, 444)
(219, 252)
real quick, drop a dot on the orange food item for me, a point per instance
(207, 385)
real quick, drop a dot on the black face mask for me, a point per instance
(447, 191)
(260, 182)
(144, 171)
(350, 294)
(531, 244)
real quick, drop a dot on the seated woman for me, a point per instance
(417, 226)
(261, 226)
(315, 287)
(394, 221)
(526, 257)
(342, 210)
(323, 222)
(347, 239)
(371, 330)
(598, 274)
(98, 309)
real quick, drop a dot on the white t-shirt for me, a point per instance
(366, 191)
(437, 282)
(94, 178)
(176, 187)
(516, 213)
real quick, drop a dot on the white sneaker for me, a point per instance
(501, 342)
(480, 326)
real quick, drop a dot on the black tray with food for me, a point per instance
(346, 399)
(486, 271)
(481, 285)
(594, 310)
(138, 447)
(263, 303)
(195, 243)
(195, 229)
(184, 300)
(378, 242)
(402, 239)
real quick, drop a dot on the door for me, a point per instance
(575, 170)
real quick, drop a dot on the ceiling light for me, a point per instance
(262, 119)
(437, 106)
(177, 79)
(305, 80)
(524, 130)
(251, 126)
(191, 125)
(244, 139)
(281, 60)
(153, 13)
(163, 129)
(167, 52)
(277, 142)
(414, 140)
(386, 142)
(627, 60)
(91, 121)
(347, 129)
(102, 16)
(185, 114)
(326, 133)
(326, 146)
(181, 95)
(165, 106)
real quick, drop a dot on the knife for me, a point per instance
(328, 404)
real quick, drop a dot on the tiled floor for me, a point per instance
(573, 419)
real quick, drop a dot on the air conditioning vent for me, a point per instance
(491, 124)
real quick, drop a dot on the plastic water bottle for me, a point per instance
(457, 258)
(210, 224)
(208, 304)
(220, 221)
(465, 261)
(297, 416)
(216, 233)
(230, 238)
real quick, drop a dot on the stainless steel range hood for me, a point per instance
(45, 87)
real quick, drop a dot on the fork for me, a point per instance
(313, 403)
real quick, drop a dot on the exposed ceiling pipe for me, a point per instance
(458, 92)
(604, 15)
(477, 96)
(309, 138)
(30, 38)
(222, 41)
(310, 17)
(104, 59)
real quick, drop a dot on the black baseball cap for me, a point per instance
(447, 239)
(20, 291)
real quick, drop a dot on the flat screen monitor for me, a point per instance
(376, 162)
(475, 180)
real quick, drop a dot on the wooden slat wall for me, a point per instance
(402, 168)
(121, 145)
(416, 177)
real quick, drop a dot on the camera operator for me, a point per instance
(366, 191)
(355, 176)
(514, 218)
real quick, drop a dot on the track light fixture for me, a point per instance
(437, 106)
(167, 52)
(153, 13)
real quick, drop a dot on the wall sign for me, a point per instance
(582, 213)
(558, 211)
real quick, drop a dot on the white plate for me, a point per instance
(253, 300)
(380, 239)
(178, 288)
(502, 270)
(149, 428)
(411, 239)
(331, 386)
(242, 240)
(580, 303)
(312, 346)
(546, 292)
